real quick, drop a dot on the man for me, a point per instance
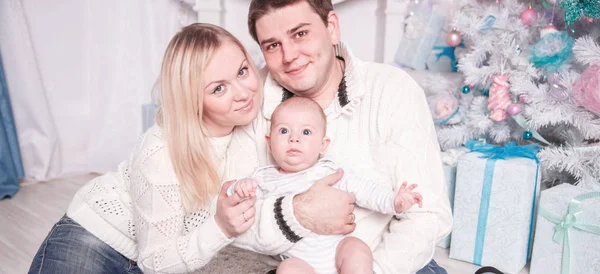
(379, 125)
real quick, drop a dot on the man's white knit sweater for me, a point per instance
(385, 129)
(138, 211)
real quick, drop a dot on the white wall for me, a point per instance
(78, 72)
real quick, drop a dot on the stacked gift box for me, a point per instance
(567, 235)
(496, 192)
(498, 212)
(450, 160)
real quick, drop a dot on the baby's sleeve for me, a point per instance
(373, 194)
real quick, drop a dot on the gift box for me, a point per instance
(441, 58)
(420, 34)
(450, 160)
(567, 233)
(494, 203)
(450, 178)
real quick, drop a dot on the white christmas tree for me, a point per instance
(526, 81)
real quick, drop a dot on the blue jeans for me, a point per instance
(70, 248)
(432, 268)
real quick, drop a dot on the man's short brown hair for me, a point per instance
(260, 8)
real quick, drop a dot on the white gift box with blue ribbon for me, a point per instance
(494, 203)
(450, 160)
(450, 179)
(567, 234)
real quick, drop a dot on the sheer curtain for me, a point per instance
(78, 73)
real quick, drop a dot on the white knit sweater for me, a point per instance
(385, 129)
(138, 211)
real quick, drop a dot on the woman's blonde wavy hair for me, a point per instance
(180, 110)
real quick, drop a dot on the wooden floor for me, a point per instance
(26, 219)
(28, 216)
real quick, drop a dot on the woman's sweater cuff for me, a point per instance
(213, 237)
(286, 220)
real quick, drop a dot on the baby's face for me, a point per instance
(297, 138)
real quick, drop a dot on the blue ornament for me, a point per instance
(485, 92)
(466, 89)
(527, 135)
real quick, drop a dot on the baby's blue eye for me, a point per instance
(306, 132)
(283, 131)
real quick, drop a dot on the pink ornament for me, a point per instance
(453, 39)
(499, 98)
(513, 109)
(547, 30)
(528, 15)
(523, 98)
(586, 91)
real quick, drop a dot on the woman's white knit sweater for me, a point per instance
(138, 211)
(385, 130)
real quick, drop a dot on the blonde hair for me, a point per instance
(181, 107)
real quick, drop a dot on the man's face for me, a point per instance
(298, 47)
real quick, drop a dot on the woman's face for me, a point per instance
(232, 90)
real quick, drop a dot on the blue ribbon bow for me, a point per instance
(493, 153)
(509, 150)
(447, 51)
(567, 223)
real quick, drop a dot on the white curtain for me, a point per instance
(78, 73)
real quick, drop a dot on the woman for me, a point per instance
(158, 211)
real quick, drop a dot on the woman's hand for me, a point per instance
(326, 210)
(234, 215)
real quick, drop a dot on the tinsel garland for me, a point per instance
(576, 8)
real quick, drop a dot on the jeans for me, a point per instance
(432, 268)
(70, 248)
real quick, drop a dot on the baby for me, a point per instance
(296, 141)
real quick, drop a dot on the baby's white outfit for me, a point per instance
(319, 250)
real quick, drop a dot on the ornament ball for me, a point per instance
(523, 98)
(453, 39)
(527, 135)
(528, 15)
(513, 109)
(547, 30)
(466, 90)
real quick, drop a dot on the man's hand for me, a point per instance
(324, 209)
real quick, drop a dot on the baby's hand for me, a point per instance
(246, 187)
(406, 198)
